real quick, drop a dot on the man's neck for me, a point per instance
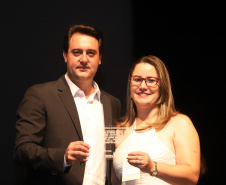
(87, 88)
(85, 85)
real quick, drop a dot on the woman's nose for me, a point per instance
(143, 84)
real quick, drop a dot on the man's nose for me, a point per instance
(84, 58)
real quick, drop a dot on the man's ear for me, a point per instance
(100, 58)
(65, 56)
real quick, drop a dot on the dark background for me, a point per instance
(188, 37)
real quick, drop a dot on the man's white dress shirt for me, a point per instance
(91, 118)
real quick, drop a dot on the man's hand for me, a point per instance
(77, 151)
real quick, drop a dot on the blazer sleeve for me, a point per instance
(30, 135)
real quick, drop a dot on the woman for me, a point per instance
(158, 140)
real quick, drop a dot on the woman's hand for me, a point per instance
(141, 160)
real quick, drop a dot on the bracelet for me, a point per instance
(155, 171)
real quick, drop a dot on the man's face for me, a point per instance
(83, 58)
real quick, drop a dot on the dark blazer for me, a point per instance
(47, 121)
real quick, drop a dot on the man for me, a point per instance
(60, 125)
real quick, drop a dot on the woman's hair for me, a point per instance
(165, 102)
(86, 30)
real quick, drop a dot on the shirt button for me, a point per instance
(82, 163)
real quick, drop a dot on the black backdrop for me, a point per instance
(187, 36)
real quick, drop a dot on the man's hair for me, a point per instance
(165, 102)
(86, 30)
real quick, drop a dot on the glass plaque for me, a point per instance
(112, 135)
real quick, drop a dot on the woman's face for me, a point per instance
(143, 96)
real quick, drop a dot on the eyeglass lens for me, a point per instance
(150, 81)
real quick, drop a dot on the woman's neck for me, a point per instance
(145, 116)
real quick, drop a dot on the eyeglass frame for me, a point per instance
(145, 80)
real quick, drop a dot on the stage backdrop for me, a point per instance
(187, 36)
(31, 52)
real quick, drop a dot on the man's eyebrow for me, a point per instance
(76, 49)
(92, 50)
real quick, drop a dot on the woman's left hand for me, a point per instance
(140, 160)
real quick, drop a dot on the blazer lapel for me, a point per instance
(107, 110)
(68, 101)
(108, 123)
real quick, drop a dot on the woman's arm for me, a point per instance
(187, 149)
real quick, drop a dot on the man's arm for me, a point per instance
(30, 135)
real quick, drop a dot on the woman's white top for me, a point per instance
(145, 141)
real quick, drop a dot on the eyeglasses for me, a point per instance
(150, 81)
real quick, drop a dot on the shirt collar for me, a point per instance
(75, 89)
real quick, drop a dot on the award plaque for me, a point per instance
(112, 135)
